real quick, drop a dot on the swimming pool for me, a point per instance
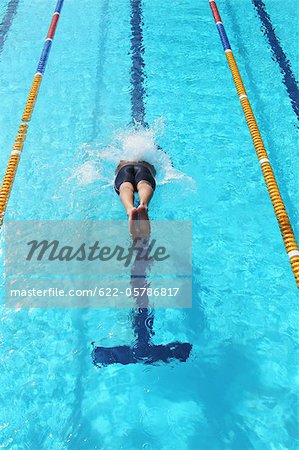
(239, 388)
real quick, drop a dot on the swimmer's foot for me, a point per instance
(145, 227)
(133, 223)
(143, 212)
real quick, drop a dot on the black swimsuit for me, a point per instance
(133, 173)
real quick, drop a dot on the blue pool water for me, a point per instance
(239, 388)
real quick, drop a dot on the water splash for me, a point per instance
(133, 144)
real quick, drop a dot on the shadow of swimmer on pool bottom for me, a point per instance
(142, 350)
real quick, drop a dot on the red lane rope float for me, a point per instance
(274, 193)
(13, 162)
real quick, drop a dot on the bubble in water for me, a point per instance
(86, 173)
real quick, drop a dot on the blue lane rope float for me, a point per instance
(15, 155)
(270, 180)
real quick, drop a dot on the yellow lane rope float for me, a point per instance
(277, 202)
(13, 162)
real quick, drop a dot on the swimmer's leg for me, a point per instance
(126, 195)
(145, 193)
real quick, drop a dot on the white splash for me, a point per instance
(133, 144)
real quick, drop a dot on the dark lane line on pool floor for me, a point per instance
(137, 69)
(280, 56)
(142, 350)
(7, 20)
(260, 103)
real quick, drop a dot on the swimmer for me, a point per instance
(137, 177)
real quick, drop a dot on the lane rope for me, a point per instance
(271, 183)
(15, 154)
